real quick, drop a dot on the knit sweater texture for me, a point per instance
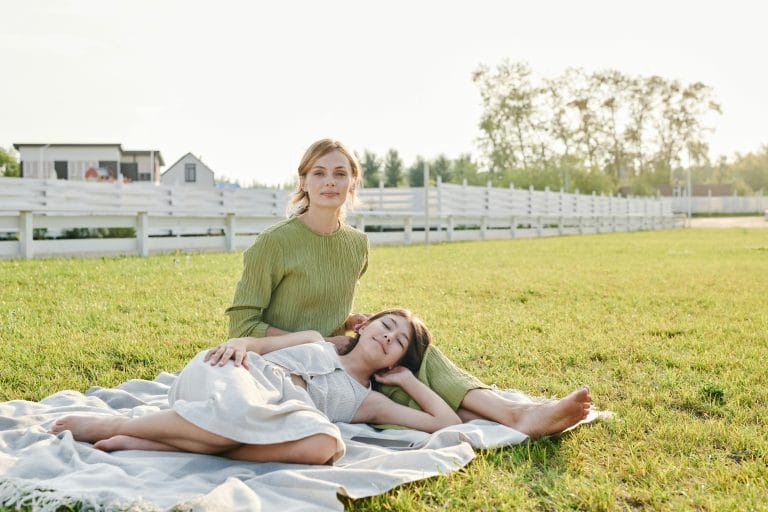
(296, 279)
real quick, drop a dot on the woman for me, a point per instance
(302, 273)
(274, 399)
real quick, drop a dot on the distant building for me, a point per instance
(188, 170)
(81, 162)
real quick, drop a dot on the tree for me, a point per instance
(416, 173)
(442, 167)
(465, 169)
(393, 169)
(606, 127)
(9, 165)
(510, 120)
(371, 166)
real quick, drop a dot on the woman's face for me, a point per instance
(328, 181)
(386, 338)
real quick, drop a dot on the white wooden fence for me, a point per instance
(169, 219)
(720, 204)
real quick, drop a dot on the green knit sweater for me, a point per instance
(296, 279)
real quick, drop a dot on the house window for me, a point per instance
(110, 166)
(190, 173)
(130, 170)
(62, 170)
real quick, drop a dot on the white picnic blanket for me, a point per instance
(44, 471)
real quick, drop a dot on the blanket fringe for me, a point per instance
(19, 494)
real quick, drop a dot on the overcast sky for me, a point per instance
(249, 85)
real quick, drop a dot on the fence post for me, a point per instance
(595, 217)
(449, 230)
(142, 234)
(530, 200)
(539, 226)
(426, 202)
(483, 226)
(26, 235)
(513, 227)
(361, 222)
(408, 232)
(439, 187)
(230, 232)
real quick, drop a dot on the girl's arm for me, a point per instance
(377, 408)
(237, 348)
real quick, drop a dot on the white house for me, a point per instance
(188, 170)
(88, 162)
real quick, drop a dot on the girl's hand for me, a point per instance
(235, 349)
(397, 376)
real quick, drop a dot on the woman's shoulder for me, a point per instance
(354, 233)
(275, 235)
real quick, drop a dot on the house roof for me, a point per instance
(182, 158)
(141, 152)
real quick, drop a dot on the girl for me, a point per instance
(275, 399)
(302, 273)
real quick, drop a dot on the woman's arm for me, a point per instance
(263, 269)
(377, 408)
(237, 348)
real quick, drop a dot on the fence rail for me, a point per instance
(169, 219)
(721, 204)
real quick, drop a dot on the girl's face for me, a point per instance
(386, 338)
(328, 181)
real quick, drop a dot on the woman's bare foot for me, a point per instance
(121, 442)
(89, 428)
(551, 418)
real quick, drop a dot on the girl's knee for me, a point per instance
(316, 449)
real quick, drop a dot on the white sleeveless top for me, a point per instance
(331, 388)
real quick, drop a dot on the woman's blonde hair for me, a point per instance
(299, 203)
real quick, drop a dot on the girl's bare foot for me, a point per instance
(551, 418)
(121, 442)
(89, 428)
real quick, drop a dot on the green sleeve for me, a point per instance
(262, 272)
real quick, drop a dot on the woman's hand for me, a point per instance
(235, 349)
(397, 376)
(354, 321)
(343, 343)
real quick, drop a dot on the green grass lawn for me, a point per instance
(669, 329)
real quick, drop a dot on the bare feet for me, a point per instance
(551, 418)
(89, 428)
(122, 442)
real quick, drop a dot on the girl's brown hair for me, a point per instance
(299, 203)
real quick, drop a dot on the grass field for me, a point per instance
(669, 329)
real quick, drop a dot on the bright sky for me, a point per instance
(249, 85)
